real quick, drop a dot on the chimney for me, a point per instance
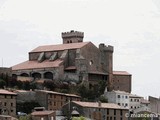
(72, 37)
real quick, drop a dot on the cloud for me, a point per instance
(17, 39)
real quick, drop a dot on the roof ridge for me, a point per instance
(58, 47)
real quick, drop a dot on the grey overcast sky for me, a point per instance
(131, 26)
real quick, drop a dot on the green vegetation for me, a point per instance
(11, 82)
(2, 83)
(28, 117)
(93, 93)
(103, 99)
(79, 118)
(87, 92)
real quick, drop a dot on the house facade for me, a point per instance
(154, 104)
(54, 100)
(127, 100)
(119, 97)
(135, 102)
(96, 110)
(7, 103)
(42, 114)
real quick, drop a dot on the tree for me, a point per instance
(27, 107)
(49, 84)
(103, 99)
(94, 93)
(2, 83)
(79, 118)
(102, 85)
(28, 117)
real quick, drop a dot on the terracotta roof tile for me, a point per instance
(98, 72)
(71, 68)
(58, 93)
(135, 96)
(59, 47)
(121, 73)
(42, 113)
(72, 95)
(121, 92)
(96, 105)
(36, 65)
(2, 91)
(51, 92)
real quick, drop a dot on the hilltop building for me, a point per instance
(74, 60)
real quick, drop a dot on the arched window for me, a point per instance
(36, 75)
(48, 75)
(24, 74)
(14, 76)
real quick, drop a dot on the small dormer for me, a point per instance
(72, 37)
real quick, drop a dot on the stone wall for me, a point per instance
(122, 83)
(154, 104)
(42, 99)
(5, 71)
(92, 56)
(25, 96)
(8, 104)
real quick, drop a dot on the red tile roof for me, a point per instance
(37, 65)
(71, 68)
(134, 96)
(121, 73)
(96, 105)
(6, 92)
(41, 113)
(58, 93)
(97, 72)
(59, 47)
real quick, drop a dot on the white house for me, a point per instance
(132, 102)
(119, 97)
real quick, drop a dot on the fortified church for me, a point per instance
(75, 61)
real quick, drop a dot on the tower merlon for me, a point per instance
(72, 33)
(72, 37)
(107, 48)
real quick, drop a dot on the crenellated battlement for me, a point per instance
(72, 33)
(106, 48)
(72, 37)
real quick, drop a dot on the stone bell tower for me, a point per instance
(72, 37)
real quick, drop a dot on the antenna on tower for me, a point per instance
(2, 62)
